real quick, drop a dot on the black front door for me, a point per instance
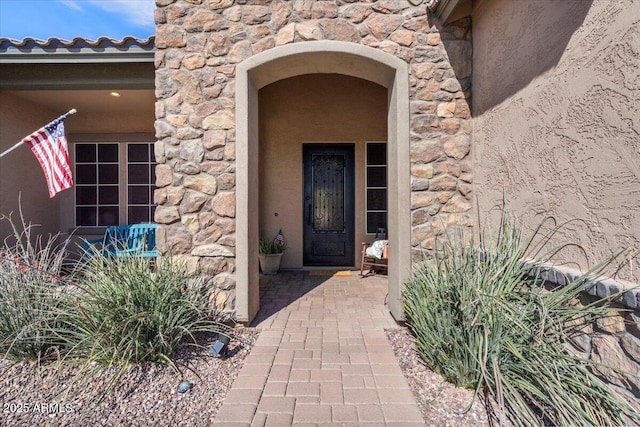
(328, 205)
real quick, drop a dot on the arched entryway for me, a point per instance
(320, 57)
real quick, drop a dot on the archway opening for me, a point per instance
(318, 58)
(324, 214)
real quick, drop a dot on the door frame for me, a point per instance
(349, 192)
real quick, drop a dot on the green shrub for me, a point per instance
(482, 319)
(30, 294)
(110, 313)
(266, 246)
(128, 310)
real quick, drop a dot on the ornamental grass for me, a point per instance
(105, 313)
(134, 309)
(483, 319)
(30, 295)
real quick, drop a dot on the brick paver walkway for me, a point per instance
(322, 358)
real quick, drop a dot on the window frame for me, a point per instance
(123, 181)
(150, 184)
(367, 187)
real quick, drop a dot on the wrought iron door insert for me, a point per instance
(328, 204)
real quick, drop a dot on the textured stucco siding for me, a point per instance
(313, 108)
(556, 105)
(22, 181)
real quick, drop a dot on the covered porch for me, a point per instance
(259, 81)
(111, 138)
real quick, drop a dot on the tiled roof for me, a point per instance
(78, 42)
(78, 49)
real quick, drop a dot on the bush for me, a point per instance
(110, 313)
(482, 320)
(128, 311)
(30, 294)
(113, 311)
(266, 246)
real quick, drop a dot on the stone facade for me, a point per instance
(200, 42)
(614, 341)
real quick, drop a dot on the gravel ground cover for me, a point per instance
(147, 393)
(441, 403)
(145, 396)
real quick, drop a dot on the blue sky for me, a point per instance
(66, 19)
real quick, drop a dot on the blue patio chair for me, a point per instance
(132, 240)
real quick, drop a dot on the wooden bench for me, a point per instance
(132, 240)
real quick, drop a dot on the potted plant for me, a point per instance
(270, 253)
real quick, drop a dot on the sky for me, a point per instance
(67, 19)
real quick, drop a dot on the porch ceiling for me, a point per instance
(59, 75)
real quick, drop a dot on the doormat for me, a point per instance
(329, 273)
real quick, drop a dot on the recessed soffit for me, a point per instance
(446, 10)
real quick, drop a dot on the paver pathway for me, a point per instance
(322, 357)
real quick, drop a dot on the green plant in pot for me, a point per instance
(270, 253)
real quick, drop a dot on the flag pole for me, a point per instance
(8, 150)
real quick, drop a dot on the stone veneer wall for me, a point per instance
(200, 42)
(614, 341)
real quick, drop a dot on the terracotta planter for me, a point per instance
(270, 263)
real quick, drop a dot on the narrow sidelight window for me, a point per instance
(376, 186)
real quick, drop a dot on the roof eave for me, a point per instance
(445, 10)
(78, 50)
(75, 57)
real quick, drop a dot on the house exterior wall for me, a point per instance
(114, 122)
(21, 114)
(24, 186)
(118, 125)
(613, 341)
(312, 108)
(556, 101)
(199, 44)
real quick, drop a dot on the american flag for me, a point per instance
(49, 145)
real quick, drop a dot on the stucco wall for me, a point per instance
(308, 109)
(112, 123)
(556, 104)
(20, 173)
(21, 177)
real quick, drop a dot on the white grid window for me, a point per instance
(376, 186)
(141, 177)
(114, 183)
